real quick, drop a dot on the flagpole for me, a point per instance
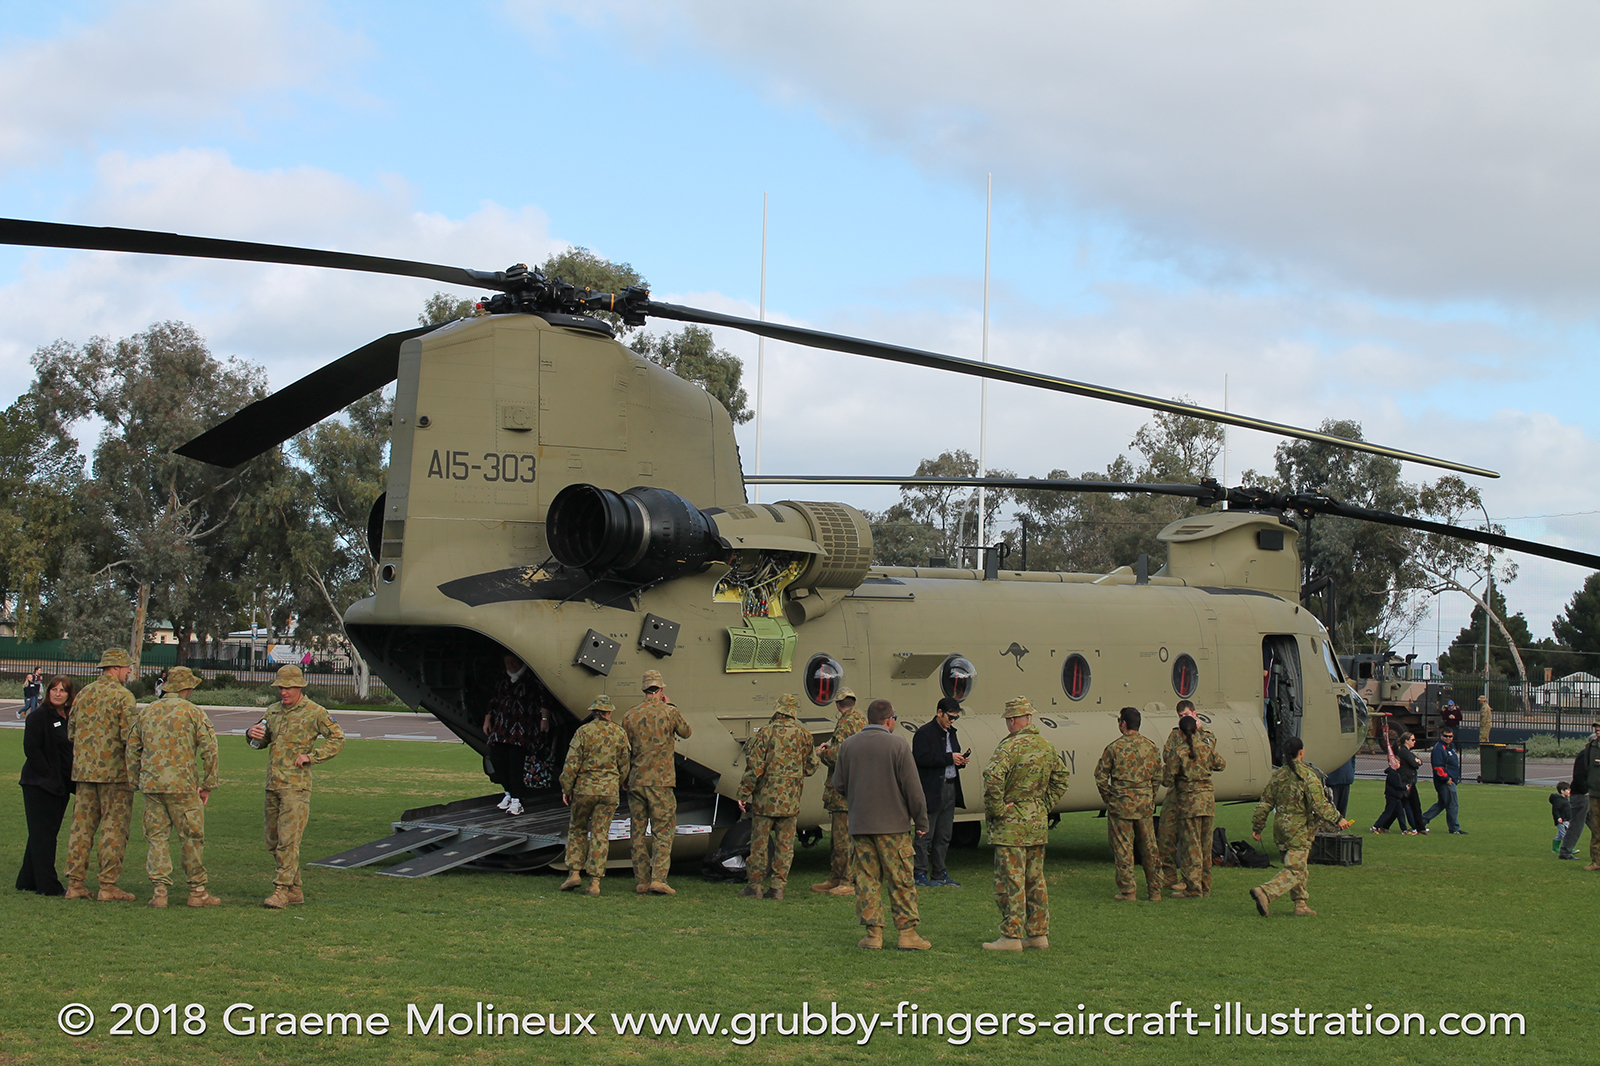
(983, 403)
(761, 342)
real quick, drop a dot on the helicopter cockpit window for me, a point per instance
(956, 677)
(1075, 677)
(1185, 676)
(824, 679)
(1329, 661)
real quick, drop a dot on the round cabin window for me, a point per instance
(824, 679)
(956, 677)
(1075, 677)
(1185, 676)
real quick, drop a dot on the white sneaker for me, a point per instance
(505, 801)
(515, 807)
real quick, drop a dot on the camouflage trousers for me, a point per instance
(288, 811)
(1290, 879)
(108, 807)
(1194, 849)
(839, 847)
(874, 860)
(656, 805)
(771, 850)
(183, 811)
(1020, 891)
(1167, 845)
(1122, 832)
(589, 834)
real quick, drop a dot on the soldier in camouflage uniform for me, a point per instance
(777, 762)
(1296, 794)
(591, 780)
(851, 722)
(168, 737)
(1171, 816)
(1485, 719)
(1126, 777)
(1023, 782)
(102, 717)
(1192, 802)
(291, 729)
(652, 801)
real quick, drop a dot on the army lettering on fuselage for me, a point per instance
(496, 466)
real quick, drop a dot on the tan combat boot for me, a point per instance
(775, 893)
(1040, 943)
(594, 887)
(1155, 897)
(1302, 910)
(642, 888)
(661, 888)
(1261, 902)
(113, 894)
(751, 892)
(574, 879)
(158, 898)
(78, 890)
(1124, 897)
(1005, 943)
(825, 887)
(911, 940)
(873, 940)
(846, 889)
(296, 896)
(200, 897)
(278, 900)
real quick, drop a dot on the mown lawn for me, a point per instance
(1488, 922)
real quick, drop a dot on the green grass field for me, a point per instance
(1488, 922)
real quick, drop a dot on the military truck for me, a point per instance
(1402, 693)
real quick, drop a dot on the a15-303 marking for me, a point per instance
(509, 467)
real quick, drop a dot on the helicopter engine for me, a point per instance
(813, 551)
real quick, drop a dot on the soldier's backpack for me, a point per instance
(1245, 855)
(727, 862)
(1219, 846)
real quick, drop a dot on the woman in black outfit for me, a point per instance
(46, 783)
(1408, 777)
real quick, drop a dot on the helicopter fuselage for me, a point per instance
(496, 415)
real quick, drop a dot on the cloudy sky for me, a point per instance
(1355, 210)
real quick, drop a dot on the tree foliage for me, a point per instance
(40, 472)
(1578, 627)
(692, 354)
(151, 522)
(1098, 532)
(935, 521)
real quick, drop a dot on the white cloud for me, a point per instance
(161, 66)
(292, 319)
(1434, 150)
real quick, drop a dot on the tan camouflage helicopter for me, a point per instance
(555, 494)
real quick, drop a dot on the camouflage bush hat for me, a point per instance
(1018, 708)
(114, 657)
(652, 679)
(181, 679)
(787, 704)
(602, 702)
(290, 677)
(845, 694)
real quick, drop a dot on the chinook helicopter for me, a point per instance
(554, 494)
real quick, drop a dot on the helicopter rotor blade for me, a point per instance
(152, 242)
(267, 423)
(812, 338)
(1209, 492)
(1310, 503)
(1206, 493)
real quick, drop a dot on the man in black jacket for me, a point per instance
(939, 758)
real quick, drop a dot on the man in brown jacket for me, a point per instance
(878, 778)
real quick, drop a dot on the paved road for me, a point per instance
(365, 725)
